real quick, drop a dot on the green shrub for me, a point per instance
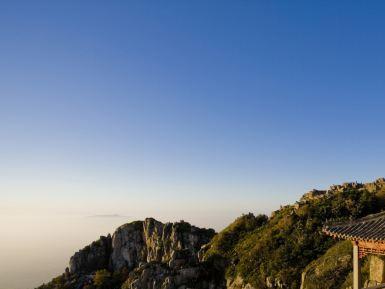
(102, 278)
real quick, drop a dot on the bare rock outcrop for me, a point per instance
(175, 244)
(312, 195)
(160, 276)
(157, 255)
(93, 257)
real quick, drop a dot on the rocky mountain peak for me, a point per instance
(175, 244)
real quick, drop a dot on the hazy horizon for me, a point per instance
(38, 246)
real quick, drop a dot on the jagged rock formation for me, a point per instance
(156, 255)
(175, 244)
(93, 257)
(161, 276)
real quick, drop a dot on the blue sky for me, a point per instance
(179, 109)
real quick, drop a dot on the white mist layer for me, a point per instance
(34, 249)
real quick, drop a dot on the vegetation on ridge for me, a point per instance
(275, 253)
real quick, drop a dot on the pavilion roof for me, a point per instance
(370, 229)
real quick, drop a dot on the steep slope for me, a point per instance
(275, 254)
(334, 269)
(331, 269)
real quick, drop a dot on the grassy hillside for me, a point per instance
(331, 269)
(274, 252)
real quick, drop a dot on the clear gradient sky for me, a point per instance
(199, 110)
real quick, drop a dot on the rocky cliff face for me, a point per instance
(160, 276)
(174, 244)
(93, 257)
(156, 255)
